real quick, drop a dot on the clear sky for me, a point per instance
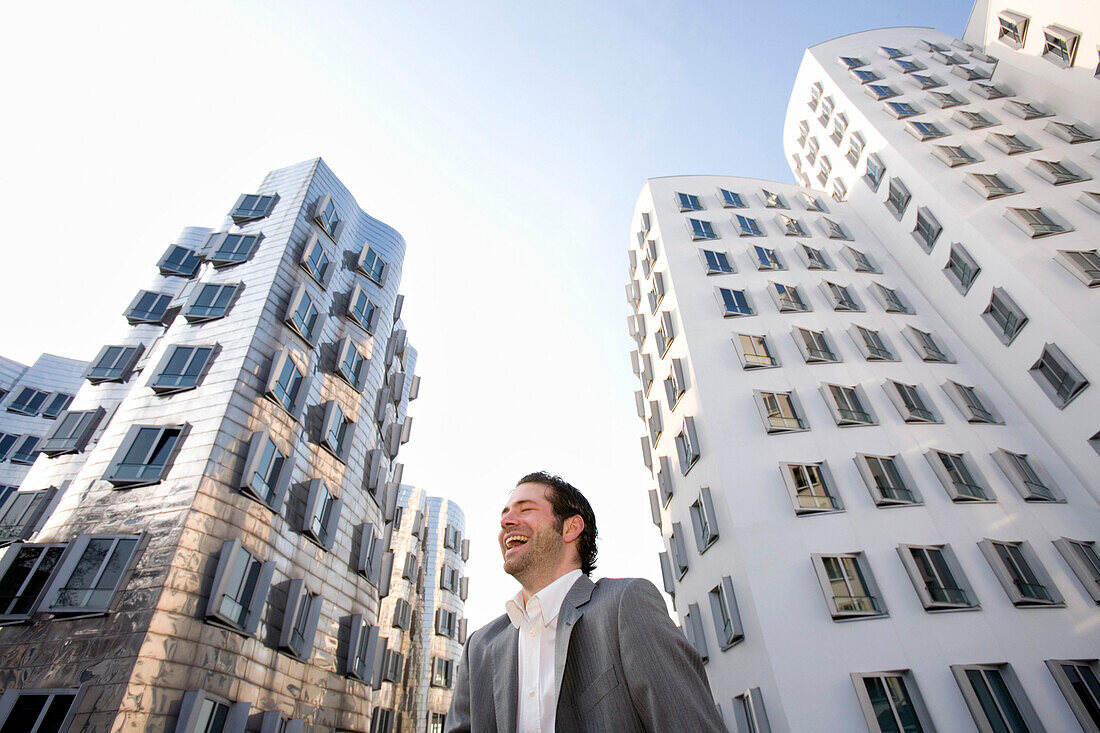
(507, 142)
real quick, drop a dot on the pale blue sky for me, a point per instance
(507, 141)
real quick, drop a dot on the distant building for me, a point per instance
(867, 398)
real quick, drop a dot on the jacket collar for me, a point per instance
(571, 610)
(505, 652)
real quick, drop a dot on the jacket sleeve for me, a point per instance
(458, 717)
(664, 674)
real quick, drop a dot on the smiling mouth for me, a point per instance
(514, 541)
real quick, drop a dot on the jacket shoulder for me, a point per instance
(489, 631)
(616, 588)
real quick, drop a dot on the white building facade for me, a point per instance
(867, 403)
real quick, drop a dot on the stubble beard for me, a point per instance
(541, 553)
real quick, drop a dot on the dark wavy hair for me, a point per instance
(567, 501)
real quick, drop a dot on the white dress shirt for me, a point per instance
(537, 703)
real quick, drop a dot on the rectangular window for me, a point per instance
(336, 431)
(182, 368)
(848, 586)
(665, 333)
(791, 227)
(326, 216)
(1084, 265)
(286, 382)
(26, 451)
(22, 511)
(787, 298)
(316, 262)
(687, 446)
(926, 346)
(840, 126)
(300, 616)
(859, 261)
(25, 569)
(1027, 476)
(303, 315)
(179, 262)
(946, 100)
(897, 198)
(891, 702)
(701, 229)
(1077, 678)
(727, 619)
(875, 171)
(924, 130)
(351, 365)
(1037, 222)
(847, 405)
(962, 482)
(1012, 29)
(842, 298)
(37, 711)
(912, 402)
(937, 577)
(717, 263)
(1060, 45)
(990, 91)
(927, 229)
(901, 109)
(267, 470)
(731, 200)
(689, 202)
(362, 310)
(891, 300)
(445, 623)
(7, 442)
(748, 712)
(832, 229)
(734, 302)
(372, 265)
(767, 259)
(675, 383)
(814, 258)
(250, 207)
(990, 185)
(231, 249)
(71, 434)
(28, 402)
(703, 520)
(145, 455)
(91, 572)
(57, 404)
(654, 422)
(1011, 144)
(754, 351)
(961, 269)
(1057, 376)
(747, 227)
(780, 412)
(881, 91)
(441, 672)
(1083, 560)
(974, 120)
(1072, 134)
(210, 301)
(812, 147)
(872, 344)
(814, 346)
(855, 148)
(810, 488)
(241, 582)
(887, 480)
(995, 698)
(955, 155)
(114, 364)
(852, 62)
(865, 76)
(971, 404)
(201, 712)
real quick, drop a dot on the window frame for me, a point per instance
(120, 482)
(927, 229)
(1011, 685)
(687, 446)
(925, 413)
(720, 257)
(866, 580)
(736, 295)
(909, 688)
(959, 257)
(728, 629)
(258, 445)
(279, 362)
(301, 613)
(701, 229)
(213, 253)
(168, 268)
(163, 302)
(905, 480)
(322, 278)
(1087, 570)
(77, 437)
(704, 521)
(965, 598)
(120, 368)
(789, 299)
(254, 604)
(190, 720)
(897, 197)
(1012, 29)
(10, 697)
(965, 155)
(774, 263)
(379, 268)
(357, 379)
(1082, 264)
(858, 418)
(970, 413)
(309, 326)
(240, 215)
(1054, 355)
(747, 226)
(793, 423)
(208, 354)
(1047, 592)
(832, 502)
(50, 554)
(1060, 45)
(926, 346)
(753, 360)
(345, 434)
(72, 558)
(1072, 691)
(1012, 465)
(688, 202)
(984, 494)
(213, 311)
(841, 297)
(824, 356)
(370, 324)
(1038, 222)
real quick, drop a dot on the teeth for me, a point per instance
(514, 540)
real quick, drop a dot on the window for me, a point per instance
(1078, 681)
(371, 265)
(1085, 266)
(286, 382)
(231, 249)
(689, 202)
(351, 365)
(267, 470)
(962, 482)
(679, 552)
(362, 310)
(924, 130)
(848, 586)
(704, 521)
(731, 200)
(1036, 222)
(902, 110)
(25, 569)
(241, 582)
(859, 261)
(842, 298)
(832, 229)
(881, 91)
(864, 76)
(38, 711)
(701, 229)
(1060, 45)
(767, 259)
(747, 227)
(58, 404)
(337, 431)
(1011, 144)
(773, 200)
(749, 715)
(891, 702)
(665, 333)
(1083, 560)
(961, 269)
(814, 258)
(693, 628)
(847, 405)
(974, 120)
(875, 171)
(316, 262)
(1071, 133)
(1026, 110)
(449, 578)
(973, 405)
(911, 402)
(1057, 376)
(145, 455)
(826, 111)
(840, 126)
(824, 169)
(381, 719)
(687, 445)
(300, 616)
(791, 227)
(325, 214)
(182, 368)
(927, 230)
(210, 301)
(787, 298)
(446, 622)
(1027, 476)
(779, 411)
(734, 302)
(28, 402)
(840, 191)
(441, 672)
(179, 261)
(937, 578)
(27, 451)
(872, 344)
(946, 100)
(114, 364)
(991, 186)
(948, 59)
(72, 432)
(815, 94)
(1013, 28)
(810, 488)
(658, 293)
(303, 315)
(717, 263)
(7, 441)
(727, 619)
(371, 548)
(990, 91)
(654, 423)
(675, 383)
(91, 572)
(814, 346)
(926, 345)
(754, 351)
(891, 300)
(812, 147)
(810, 202)
(887, 480)
(250, 207)
(148, 307)
(995, 698)
(892, 53)
(22, 511)
(201, 712)
(908, 67)
(955, 155)
(852, 62)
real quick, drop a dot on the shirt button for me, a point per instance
(533, 632)
(530, 693)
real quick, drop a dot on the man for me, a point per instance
(571, 655)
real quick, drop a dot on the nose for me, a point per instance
(508, 519)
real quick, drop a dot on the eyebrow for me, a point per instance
(521, 501)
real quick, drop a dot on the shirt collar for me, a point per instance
(549, 598)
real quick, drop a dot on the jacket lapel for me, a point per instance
(571, 609)
(505, 654)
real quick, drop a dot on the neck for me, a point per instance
(530, 585)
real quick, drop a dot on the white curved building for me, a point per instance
(880, 507)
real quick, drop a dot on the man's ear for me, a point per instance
(573, 528)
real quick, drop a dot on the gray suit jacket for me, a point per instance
(621, 666)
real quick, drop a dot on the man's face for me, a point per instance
(530, 537)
